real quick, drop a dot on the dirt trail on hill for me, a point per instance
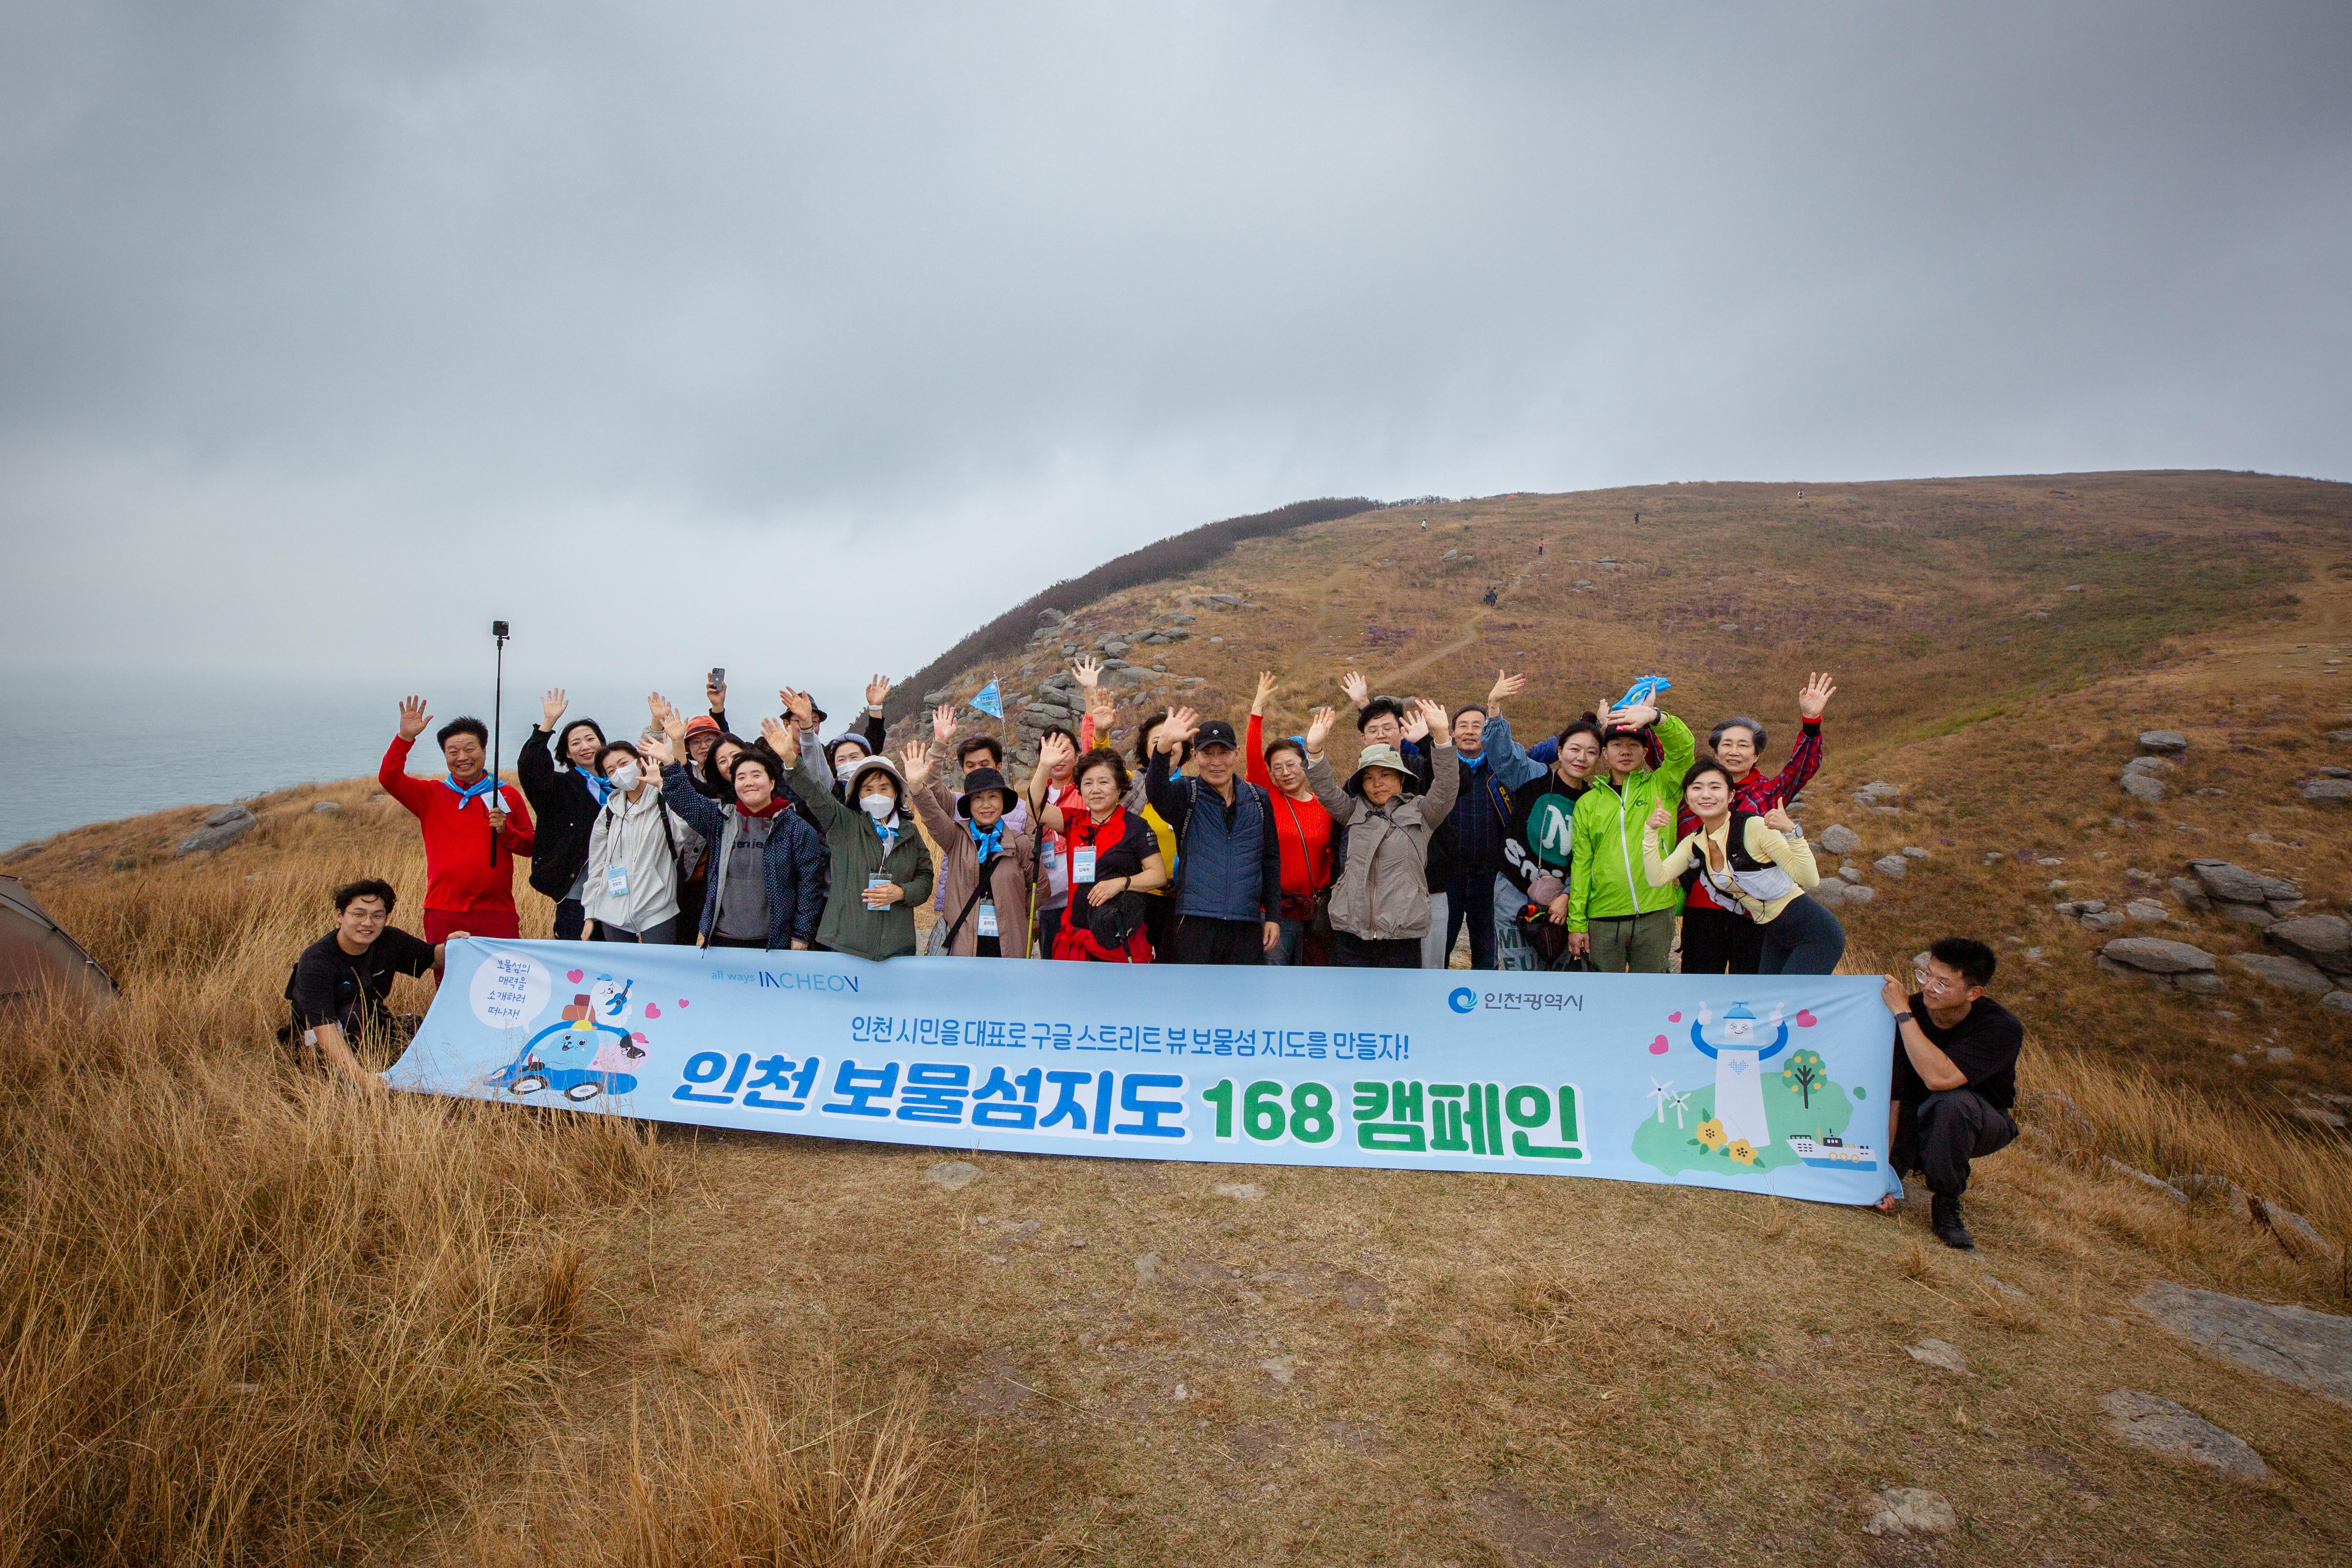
(2294, 647)
(1303, 665)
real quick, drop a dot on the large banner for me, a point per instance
(1757, 1083)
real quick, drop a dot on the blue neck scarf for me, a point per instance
(487, 785)
(601, 787)
(985, 844)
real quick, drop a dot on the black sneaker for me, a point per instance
(1944, 1217)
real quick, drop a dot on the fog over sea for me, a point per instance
(112, 744)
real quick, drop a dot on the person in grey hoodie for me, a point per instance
(1380, 904)
(881, 868)
(635, 847)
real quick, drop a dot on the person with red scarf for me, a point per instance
(1109, 854)
(474, 827)
(1302, 828)
(1716, 940)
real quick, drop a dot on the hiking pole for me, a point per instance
(497, 724)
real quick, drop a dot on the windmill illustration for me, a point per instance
(1665, 1093)
(1680, 1101)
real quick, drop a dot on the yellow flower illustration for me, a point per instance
(1743, 1151)
(1710, 1133)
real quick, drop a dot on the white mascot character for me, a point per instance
(1738, 1080)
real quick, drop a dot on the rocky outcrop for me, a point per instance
(1839, 840)
(2157, 961)
(2322, 941)
(223, 827)
(2281, 970)
(2311, 1350)
(2169, 741)
(2152, 1421)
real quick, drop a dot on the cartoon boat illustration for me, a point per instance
(1832, 1153)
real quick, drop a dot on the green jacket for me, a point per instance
(1605, 880)
(847, 925)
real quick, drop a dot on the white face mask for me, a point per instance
(879, 807)
(625, 777)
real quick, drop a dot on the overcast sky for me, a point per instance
(802, 338)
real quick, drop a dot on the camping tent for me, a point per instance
(35, 951)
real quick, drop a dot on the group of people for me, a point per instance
(1590, 849)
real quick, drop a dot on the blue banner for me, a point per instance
(1772, 1084)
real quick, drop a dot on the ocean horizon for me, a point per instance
(123, 743)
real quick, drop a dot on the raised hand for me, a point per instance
(551, 708)
(1433, 720)
(413, 717)
(1816, 696)
(1505, 685)
(662, 749)
(799, 705)
(1416, 723)
(877, 690)
(1661, 819)
(1052, 751)
(943, 723)
(1266, 684)
(1181, 726)
(784, 739)
(1359, 690)
(1319, 728)
(1103, 707)
(1779, 822)
(716, 696)
(1088, 669)
(917, 758)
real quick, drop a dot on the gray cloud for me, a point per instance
(328, 333)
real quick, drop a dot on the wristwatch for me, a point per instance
(1902, 1019)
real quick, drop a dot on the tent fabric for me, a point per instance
(35, 951)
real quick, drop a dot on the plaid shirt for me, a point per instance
(1759, 794)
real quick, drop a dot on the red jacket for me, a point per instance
(1759, 794)
(460, 870)
(1303, 828)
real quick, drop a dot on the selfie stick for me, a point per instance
(498, 723)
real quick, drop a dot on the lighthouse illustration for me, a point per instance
(1737, 1047)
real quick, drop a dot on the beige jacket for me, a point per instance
(1015, 875)
(1382, 892)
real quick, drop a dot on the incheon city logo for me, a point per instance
(1462, 1000)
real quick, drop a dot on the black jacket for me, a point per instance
(566, 810)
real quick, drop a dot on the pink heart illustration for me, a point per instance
(653, 1009)
(573, 976)
(681, 1001)
(1805, 1019)
(1658, 1046)
(1674, 1017)
(639, 1037)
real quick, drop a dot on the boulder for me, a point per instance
(2338, 1001)
(1910, 1510)
(2339, 735)
(2140, 786)
(2334, 773)
(1849, 874)
(329, 807)
(224, 827)
(2252, 915)
(2189, 891)
(2281, 970)
(2146, 912)
(2105, 920)
(952, 1174)
(2325, 940)
(2310, 1350)
(2229, 882)
(2163, 740)
(1114, 646)
(1939, 1353)
(1891, 865)
(2152, 1421)
(2158, 955)
(1839, 840)
(1912, 851)
(2151, 765)
(1050, 618)
(1830, 894)
(1881, 789)
(2200, 985)
(1858, 894)
(2327, 791)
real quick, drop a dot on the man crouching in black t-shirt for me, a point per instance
(339, 982)
(1955, 1077)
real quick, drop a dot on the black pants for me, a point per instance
(1200, 940)
(1718, 941)
(1349, 951)
(1943, 1133)
(1804, 938)
(1472, 899)
(716, 940)
(571, 915)
(658, 934)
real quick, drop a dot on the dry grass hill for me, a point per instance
(252, 1319)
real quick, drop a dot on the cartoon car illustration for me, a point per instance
(585, 1054)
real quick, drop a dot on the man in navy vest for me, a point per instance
(1228, 861)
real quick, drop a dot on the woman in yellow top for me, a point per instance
(1760, 865)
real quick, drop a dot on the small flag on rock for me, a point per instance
(990, 700)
